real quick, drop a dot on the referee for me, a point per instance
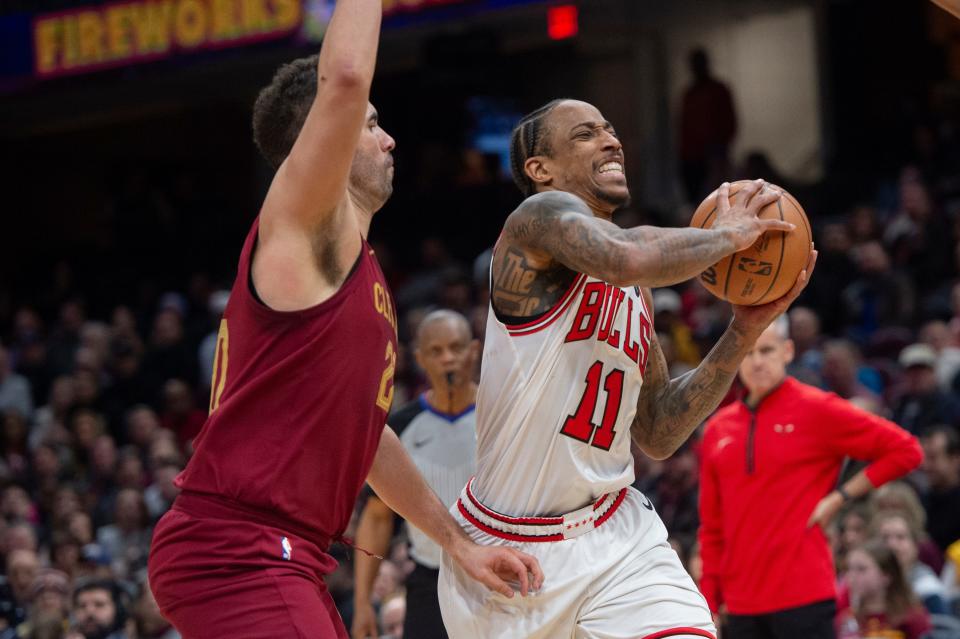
(438, 429)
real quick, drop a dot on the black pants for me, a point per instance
(814, 621)
(423, 619)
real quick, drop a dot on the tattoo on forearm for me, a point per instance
(669, 410)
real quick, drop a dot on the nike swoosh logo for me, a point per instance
(646, 503)
(421, 444)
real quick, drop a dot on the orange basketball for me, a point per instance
(767, 270)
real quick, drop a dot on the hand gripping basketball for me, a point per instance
(741, 217)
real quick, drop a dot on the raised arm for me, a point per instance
(668, 410)
(555, 227)
(312, 180)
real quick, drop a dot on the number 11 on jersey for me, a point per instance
(580, 425)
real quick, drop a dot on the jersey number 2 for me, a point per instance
(580, 425)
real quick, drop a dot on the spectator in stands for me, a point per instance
(808, 342)
(708, 125)
(392, 614)
(841, 371)
(127, 540)
(50, 420)
(14, 389)
(65, 339)
(853, 525)
(180, 414)
(937, 335)
(879, 296)
(15, 590)
(881, 601)
(941, 463)
(50, 607)
(901, 498)
(922, 404)
(160, 494)
(142, 424)
(99, 611)
(895, 531)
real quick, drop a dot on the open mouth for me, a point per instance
(615, 168)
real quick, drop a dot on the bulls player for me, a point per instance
(304, 376)
(569, 342)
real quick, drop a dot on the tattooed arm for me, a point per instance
(558, 227)
(668, 410)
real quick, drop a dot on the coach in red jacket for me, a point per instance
(768, 474)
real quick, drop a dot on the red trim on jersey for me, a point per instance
(676, 632)
(504, 535)
(551, 316)
(643, 300)
(616, 504)
(523, 521)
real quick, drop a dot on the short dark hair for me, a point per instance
(527, 140)
(949, 434)
(118, 595)
(282, 107)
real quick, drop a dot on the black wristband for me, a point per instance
(843, 493)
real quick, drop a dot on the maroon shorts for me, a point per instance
(220, 572)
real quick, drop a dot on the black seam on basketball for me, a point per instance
(783, 246)
(806, 223)
(707, 219)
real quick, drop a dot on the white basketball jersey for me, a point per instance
(557, 398)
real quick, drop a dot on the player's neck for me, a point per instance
(452, 400)
(362, 211)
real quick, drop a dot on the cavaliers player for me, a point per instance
(304, 376)
(571, 372)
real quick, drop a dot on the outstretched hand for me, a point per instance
(740, 218)
(494, 566)
(757, 318)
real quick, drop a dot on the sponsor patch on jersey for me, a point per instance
(286, 548)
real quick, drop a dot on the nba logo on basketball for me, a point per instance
(286, 548)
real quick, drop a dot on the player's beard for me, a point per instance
(373, 179)
(617, 199)
(95, 630)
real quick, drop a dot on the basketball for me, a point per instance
(767, 270)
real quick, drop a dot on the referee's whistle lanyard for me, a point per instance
(751, 433)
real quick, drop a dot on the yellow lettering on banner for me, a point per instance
(286, 14)
(71, 43)
(118, 31)
(47, 44)
(91, 37)
(190, 25)
(151, 26)
(223, 18)
(255, 17)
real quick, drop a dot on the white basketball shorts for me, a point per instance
(609, 573)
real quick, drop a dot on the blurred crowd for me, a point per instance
(99, 410)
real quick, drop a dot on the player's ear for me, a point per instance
(789, 350)
(537, 170)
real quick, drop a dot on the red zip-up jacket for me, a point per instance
(763, 472)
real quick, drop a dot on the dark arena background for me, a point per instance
(129, 180)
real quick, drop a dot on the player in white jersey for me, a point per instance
(571, 372)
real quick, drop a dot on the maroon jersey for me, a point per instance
(299, 400)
